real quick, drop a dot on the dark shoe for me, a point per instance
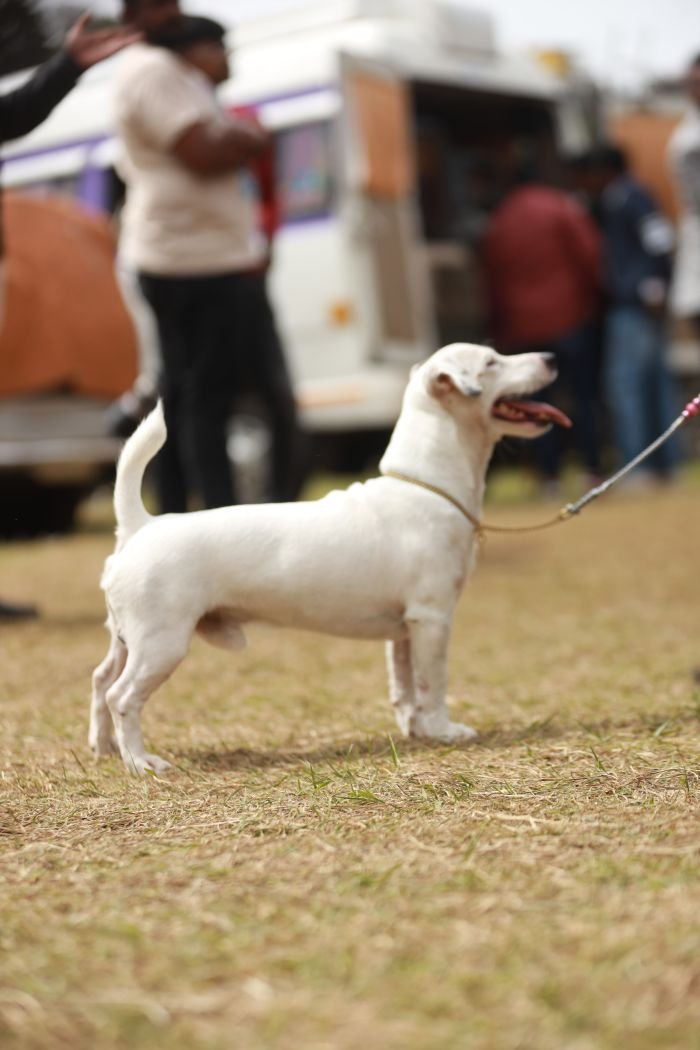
(13, 613)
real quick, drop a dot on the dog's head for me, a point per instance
(480, 387)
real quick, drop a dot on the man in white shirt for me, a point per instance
(189, 232)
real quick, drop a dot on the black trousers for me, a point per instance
(262, 369)
(217, 338)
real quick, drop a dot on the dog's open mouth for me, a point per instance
(537, 412)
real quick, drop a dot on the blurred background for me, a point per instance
(398, 127)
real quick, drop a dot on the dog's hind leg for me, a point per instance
(401, 686)
(150, 662)
(430, 719)
(101, 734)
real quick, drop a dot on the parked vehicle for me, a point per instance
(394, 125)
(67, 349)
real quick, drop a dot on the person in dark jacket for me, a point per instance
(26, 107)
(638, 242)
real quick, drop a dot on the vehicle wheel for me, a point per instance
(29, 509)
(61, 504)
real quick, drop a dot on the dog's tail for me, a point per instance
(137, 453)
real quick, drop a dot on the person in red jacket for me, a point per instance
(542, 265)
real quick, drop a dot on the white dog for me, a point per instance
(386, 559)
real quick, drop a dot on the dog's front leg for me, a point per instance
(429, 719)
(401, 689)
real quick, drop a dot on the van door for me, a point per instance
(387, 251)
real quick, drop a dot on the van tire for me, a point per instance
(30, 509)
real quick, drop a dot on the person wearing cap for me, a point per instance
(189, 232)
(24, 109)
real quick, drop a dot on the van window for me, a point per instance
(304, 165)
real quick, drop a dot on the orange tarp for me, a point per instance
(65, 322)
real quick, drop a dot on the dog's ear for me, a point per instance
(447, 377)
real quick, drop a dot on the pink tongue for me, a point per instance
(540, 408)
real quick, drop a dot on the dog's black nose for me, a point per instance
(550, 360)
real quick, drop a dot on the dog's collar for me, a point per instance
(471, 518)
(480, 529)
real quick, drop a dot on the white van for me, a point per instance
(395, 121)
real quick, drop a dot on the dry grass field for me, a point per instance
(305, 879)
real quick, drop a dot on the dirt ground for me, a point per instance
(304, 878)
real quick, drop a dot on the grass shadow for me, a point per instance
(654, 723)
(230, 759)
(225, 759)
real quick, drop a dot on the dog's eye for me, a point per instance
(493, 363)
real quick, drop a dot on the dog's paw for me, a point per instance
(140, 765)
(442, 731)
(457, 733)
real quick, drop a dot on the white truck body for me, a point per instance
(344, 86)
